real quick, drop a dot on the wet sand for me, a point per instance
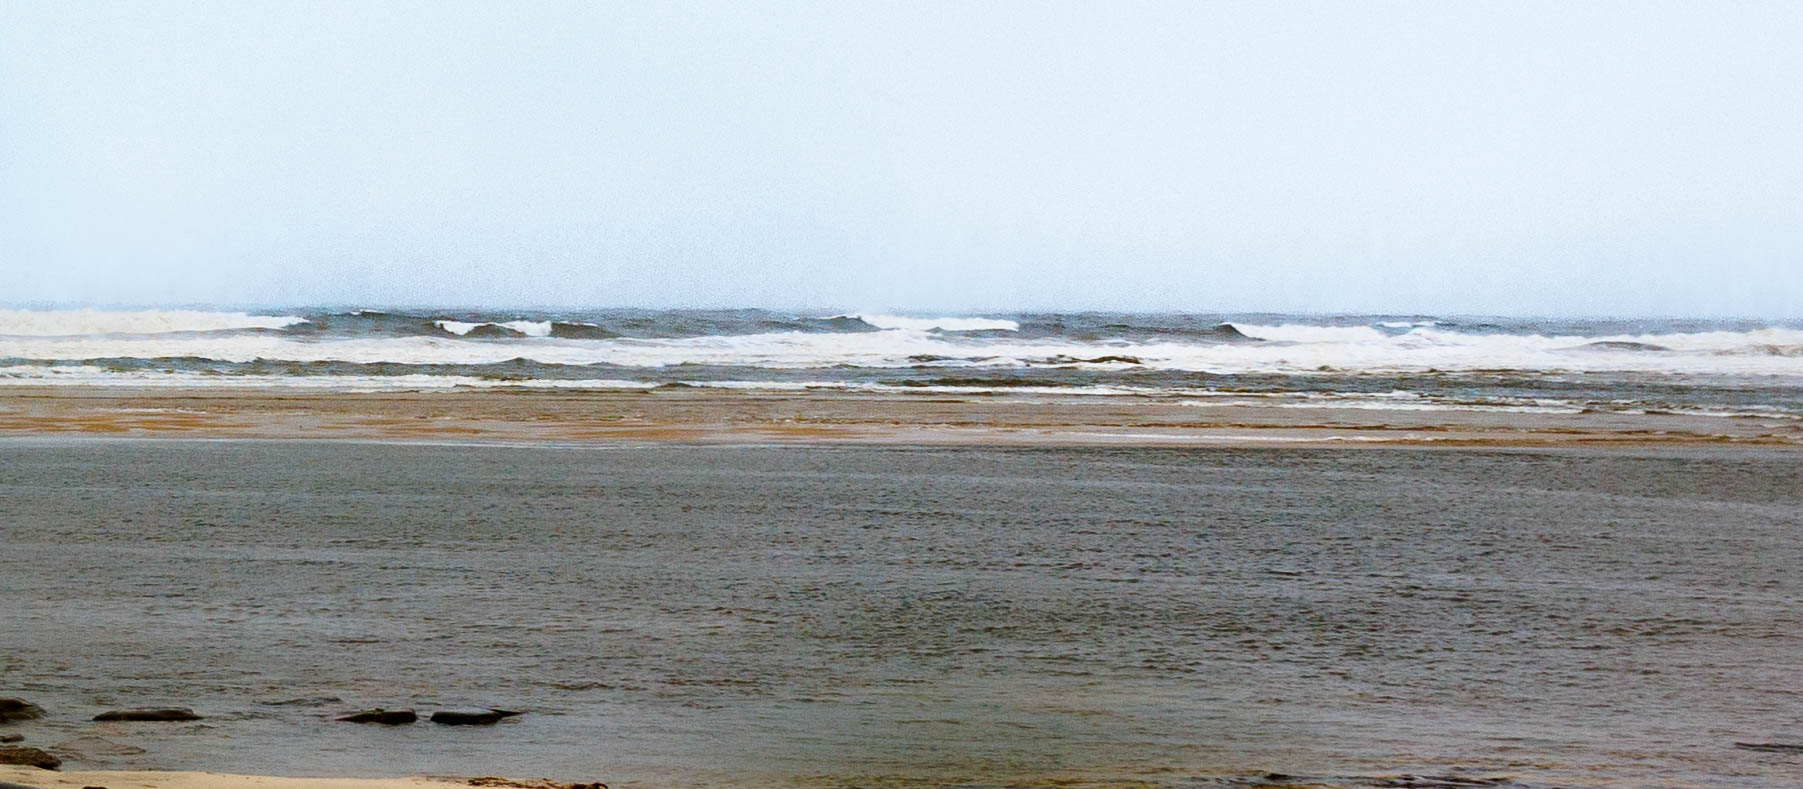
(698, 415)
(867, 615)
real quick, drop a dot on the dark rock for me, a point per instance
(11, 785)
(156, 715)
(19, 710)
(30, 757)
(471, 717)
(1770, 747)
(5, 738)
(382, 716)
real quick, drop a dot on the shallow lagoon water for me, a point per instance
(674, 615)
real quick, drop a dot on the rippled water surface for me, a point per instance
(856, 616)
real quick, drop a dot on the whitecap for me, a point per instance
(528, 328)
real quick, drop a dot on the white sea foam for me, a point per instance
(459, 328)
(1289, 349)
(90, 375)
(1334, 350)
(72, 323)
(528, 328)
(1367, 405)
(93, 375)
(942, 324)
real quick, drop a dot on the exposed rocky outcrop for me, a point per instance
(382, 716)
(471, 717)
(161, 715)
(19, 710)
(29, 757)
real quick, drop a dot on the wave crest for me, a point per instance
(501, 329)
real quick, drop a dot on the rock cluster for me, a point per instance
(29, 757)
(471, 717)
(382, 716)
(19, 710)
(161, 715)
(12, 709)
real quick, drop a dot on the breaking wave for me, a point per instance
(1733, 365)
(503, 329)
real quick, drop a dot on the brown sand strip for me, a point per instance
(699, 415)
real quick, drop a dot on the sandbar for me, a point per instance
(725, 416)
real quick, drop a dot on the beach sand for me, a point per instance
(701, 415)
(694, 588)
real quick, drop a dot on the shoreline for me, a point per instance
(726, 417)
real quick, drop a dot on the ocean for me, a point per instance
(1708, 367)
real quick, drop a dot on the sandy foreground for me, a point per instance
(692, 416)
(145, 779)
(697, 415)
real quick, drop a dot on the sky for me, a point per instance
(1521, 158)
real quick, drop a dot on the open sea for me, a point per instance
(1727, 368)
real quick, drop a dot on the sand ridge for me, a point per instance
(699, 415)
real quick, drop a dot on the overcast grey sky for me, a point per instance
(1510, 157)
